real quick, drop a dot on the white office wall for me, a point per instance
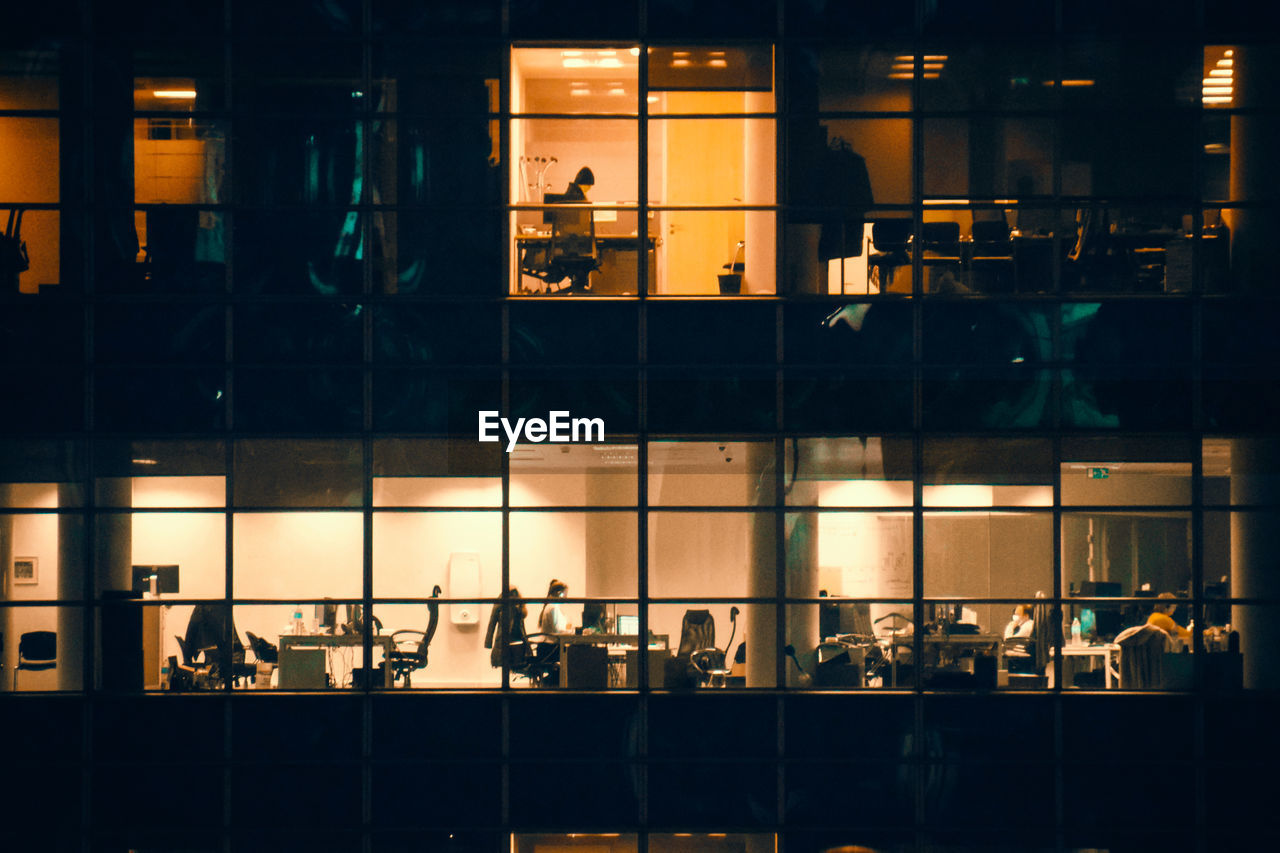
(32, 535)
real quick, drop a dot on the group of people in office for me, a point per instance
(1022, 622)
(506, 630)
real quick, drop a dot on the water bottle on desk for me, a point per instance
(1075, 632)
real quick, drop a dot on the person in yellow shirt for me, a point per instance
(1162, 617)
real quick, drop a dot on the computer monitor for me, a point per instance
(1100, 589)
(855, 618)
(628, 625)
(166, 578)
(327, 616)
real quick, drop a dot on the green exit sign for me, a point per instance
(1099, 473)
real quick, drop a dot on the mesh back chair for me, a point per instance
(37, 650)
(410, 652)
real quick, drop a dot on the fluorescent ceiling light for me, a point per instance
(1217, 99)
(1221, 72)
(574, 62)
(718, 63)
(175, 94)
(617, 91)
(1217, 90)
(610, 62)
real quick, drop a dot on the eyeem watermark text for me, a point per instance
(558, 428)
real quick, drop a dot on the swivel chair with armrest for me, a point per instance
(212, 631)
(712, 664)
(570, 253)
(410, 652)
(889, 241)
(535, 657)
(697, 661)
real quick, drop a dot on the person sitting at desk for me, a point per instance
(551, 620)
(1162, 617)
(578, 187)
(1021, 624)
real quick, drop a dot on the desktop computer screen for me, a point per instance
(628, 625)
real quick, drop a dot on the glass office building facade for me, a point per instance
(915, 363)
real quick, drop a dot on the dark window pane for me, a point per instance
(831, 401)
(574, 333)
(1164, 798)
(443, 160)
(438, 253)
(257, 19)
(613, 733)
(607, 799)
(714, 794)
(610, 396)
(697, 401)
(309, 400)
(1012, 396)
(988, 17)
(115, 796)
(879, 794)
(1007, 728)
(437, 334)
(327, 729)
(299, 332)
(52, 400)
(853, 17)
(576, 19)
(455, 727)
(994, 333)
(1126, 397)
(428, 401)
(139, 730)
(301, 795)
(716, 18)
(834, 726)
(847, 334)
(41, 334)
(711, 333)
(464, 17)
(438, 794)
(160, 334)
(1127, 728)
(310, 253)
(677, 725)
(961, 794)
(168, 400)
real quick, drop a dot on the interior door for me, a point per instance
(702, 164)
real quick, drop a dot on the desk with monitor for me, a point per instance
(303, 663)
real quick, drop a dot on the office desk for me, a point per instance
(1108, 653)
(616, 646)
(300, 654)
(619, 261)
(942, 650)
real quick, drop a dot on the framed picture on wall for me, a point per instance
(26, 570)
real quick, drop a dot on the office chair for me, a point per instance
(712, 664)
(264, 651)
(37, 650)
(697, 640)
(188, 673)
(536, 657)
(411, 654)
(571, 252)
(207, 633)
(940, 242)
(889, 241)
(1142, 650)
(991, 260)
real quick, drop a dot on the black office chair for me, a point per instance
(697, 657)
(889, 241)
(941, 250)
(410, 652)
(37, 650)
(264, 651)
(991, 256)
(536, 657)
(207, 633)
(571, 252)
(712, 664)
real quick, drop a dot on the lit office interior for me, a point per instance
(934, 345)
